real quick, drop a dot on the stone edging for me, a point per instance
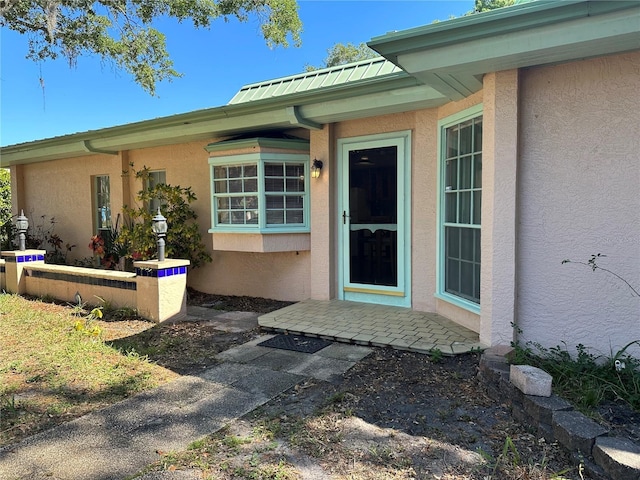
(554, 418)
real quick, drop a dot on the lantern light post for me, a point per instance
(22, 225)
(159, 227)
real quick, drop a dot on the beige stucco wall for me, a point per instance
(424, 127)
(91, 294)
(579, 194)
(230, 273)
(63, 190)
(499, 216)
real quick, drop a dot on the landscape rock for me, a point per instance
(531, 380)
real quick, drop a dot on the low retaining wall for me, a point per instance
(554, 418)
(157, 290)
(96, 287)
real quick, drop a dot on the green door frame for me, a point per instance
(399, 295)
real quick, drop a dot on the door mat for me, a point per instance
(296, 343)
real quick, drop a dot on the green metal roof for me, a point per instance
(427, 67)
(341, 97)
(317, 80)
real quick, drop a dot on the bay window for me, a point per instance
(260, 193)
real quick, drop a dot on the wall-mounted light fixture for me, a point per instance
(22, 225)
(315, 168)
(159, 227)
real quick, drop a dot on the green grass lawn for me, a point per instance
(54, 366)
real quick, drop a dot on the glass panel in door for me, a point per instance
(373, 216)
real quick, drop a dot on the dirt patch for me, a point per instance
(433, 416)
(395, 415)
(187, 347)
(231, 303)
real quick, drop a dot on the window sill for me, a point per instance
(261, 243)
(459, 302)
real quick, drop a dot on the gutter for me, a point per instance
(87, 146)
(501, 21)
(277, 112)
(298, 120)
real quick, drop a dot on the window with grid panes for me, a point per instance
(461, 215)
(265, 195)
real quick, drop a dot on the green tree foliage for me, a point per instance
(485, 5)
(137, 241)
(122, 32)
(340, 54)
(6, 230)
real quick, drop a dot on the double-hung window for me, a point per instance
(263, 192)
(460, 208)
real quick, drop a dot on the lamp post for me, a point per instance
(22, 224)
(159, 227)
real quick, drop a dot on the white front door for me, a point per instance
(374, 219)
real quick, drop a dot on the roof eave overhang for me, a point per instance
(453, 56)
(305, 110)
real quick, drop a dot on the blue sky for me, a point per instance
(215, 64)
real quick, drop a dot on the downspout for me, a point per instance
(87, 146)
(293, 113)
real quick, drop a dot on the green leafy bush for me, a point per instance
(136, 238)
(41, 236)
(6, 224)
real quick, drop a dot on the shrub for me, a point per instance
(6, 230)
(136, 237)
(585, 379)
(41, 236)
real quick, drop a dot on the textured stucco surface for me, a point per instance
(323, 236)
(499, 173)
(230, 273)
(579, 194)
(62, 190)
(244, 242)
(91, 294)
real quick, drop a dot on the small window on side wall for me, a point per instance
(155, 178)
(102, 202)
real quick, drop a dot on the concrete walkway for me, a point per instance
(120, 440)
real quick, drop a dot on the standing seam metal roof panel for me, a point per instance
(315, 80)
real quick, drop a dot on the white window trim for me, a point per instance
(441, 293)
(260, 159)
